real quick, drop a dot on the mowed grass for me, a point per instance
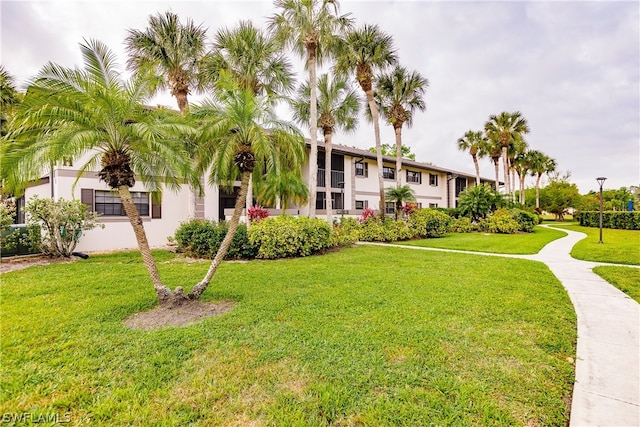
(523, 243)
(373, 336)
(627, 279)
(619, 246)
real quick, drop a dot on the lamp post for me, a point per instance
(601, 181)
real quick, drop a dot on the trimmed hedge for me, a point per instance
(610, 219)
(200, 238)
(374, 229)
(286, 236)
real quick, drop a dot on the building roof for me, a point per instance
(366, 154)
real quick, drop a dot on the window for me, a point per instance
(433, 180)
(388, 172)
(362, 169)
(390, 208)
(413, 176)
(109, 204)
(362, 204)
(320, 200)
(433, 205)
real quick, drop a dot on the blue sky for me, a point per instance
(572, 68)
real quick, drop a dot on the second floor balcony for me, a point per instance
(337, 178)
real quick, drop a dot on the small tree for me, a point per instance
(398, 195)
(478, 201)
(60, 222)
(7, 215)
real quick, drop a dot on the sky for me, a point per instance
(570, 67)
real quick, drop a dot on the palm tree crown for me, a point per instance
(170, 49)
(399, 94)
(475, 144)
(252, 57)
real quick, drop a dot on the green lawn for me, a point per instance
(373, 336)
(619, 246)
(627, 279)
(525, 243)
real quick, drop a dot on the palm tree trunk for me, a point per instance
(505, 165)
(398, 131)
(477, 166)
(538, 191)
(198, 289)
(327, 173)
(313, 130)
(376, 130)
(496, 165)
(163, 292)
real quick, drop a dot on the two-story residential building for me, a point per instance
(354, 184)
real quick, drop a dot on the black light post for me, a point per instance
(601, 181)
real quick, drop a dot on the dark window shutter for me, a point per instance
(86, 197)
(156, 210)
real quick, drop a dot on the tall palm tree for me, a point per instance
(540, 164)
(251, 57)
(475, 143)
(399, 94)
(241, 135)
(398, 195)
(73, 113)
(492, 150)
(364, 51)
(171, 50)
(338, 106)
(518, 164)
(505, 129)
(310, 27)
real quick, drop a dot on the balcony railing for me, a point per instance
(336, 178)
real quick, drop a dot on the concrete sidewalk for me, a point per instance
(607, 386)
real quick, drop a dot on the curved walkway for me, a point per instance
(607, 386)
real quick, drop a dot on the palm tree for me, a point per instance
(475, 143)
(518, 164)
(90, 113)
(505, 129)
(364, 51)
(399, 94)
(251, 57)
(171, 50)
(286, 186)
(9, 97)
(400, 194)
(310, 27)
(338, 106)
(540, 164)
(241, 135)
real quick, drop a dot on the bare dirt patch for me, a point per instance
(187, 314)
(22, 262)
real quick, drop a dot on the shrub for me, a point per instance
(286, 236)
(463, 225)
(610, 219)
(389, 230)
(56, 225)
(202, 238)
(526, 220)
(429, 223)
(367, 214)
(501, 222)
(344, 233)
